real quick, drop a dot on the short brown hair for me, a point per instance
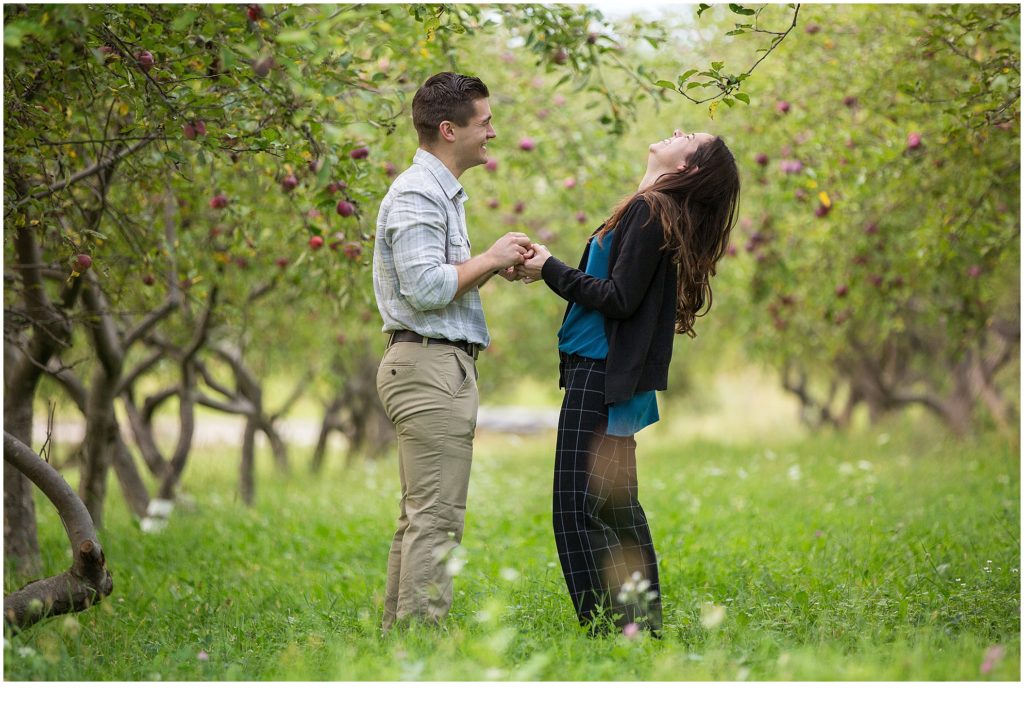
(445, 97)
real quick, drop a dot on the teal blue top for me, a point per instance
(582, 333)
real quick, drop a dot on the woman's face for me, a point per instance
(678, 149)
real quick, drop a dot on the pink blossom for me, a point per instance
(630, 630)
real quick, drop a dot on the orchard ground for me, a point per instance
(890, 553)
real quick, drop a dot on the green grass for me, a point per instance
(836, 558)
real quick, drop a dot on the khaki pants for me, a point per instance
(430, 394)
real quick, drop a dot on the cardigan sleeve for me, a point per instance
(639, 246)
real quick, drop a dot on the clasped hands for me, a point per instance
(517, 258)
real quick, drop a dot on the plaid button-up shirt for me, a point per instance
(421, 236)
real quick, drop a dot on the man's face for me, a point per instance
(471, 140)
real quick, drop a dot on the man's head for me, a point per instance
(452, 117)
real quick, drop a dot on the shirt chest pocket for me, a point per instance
(458, 248)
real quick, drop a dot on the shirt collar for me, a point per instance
(453, 190)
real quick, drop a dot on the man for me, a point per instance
(426, 285)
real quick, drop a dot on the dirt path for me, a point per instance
(227, 430)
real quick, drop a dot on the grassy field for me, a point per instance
(875, 556)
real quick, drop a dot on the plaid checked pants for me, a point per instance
(604, 543)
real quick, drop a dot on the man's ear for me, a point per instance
(447, 131)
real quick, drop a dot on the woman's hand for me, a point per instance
(529, 270)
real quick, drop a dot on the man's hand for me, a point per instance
(533, 263)
(510, 250)
(514, 273)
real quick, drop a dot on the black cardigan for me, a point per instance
(638, 302)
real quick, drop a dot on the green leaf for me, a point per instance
(666, 84)
(700, 10)
(739, 9)
(295, 36)
(684, 76)
(742, 97)
(184, 20)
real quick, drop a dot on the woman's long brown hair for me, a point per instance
(697, 208)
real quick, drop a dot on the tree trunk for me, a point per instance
(87, 580)
(330, 423)
(248, 465)
(100, 421)
(51, 330)
(132, 486)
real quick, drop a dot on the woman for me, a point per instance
(645, 276)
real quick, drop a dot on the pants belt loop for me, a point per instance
(426, 341)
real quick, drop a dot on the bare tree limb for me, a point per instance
(87, 580)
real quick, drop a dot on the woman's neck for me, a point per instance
(650, 177)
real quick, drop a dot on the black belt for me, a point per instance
(471, 349)
(573, 358)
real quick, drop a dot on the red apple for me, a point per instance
(281, 263)
(262, 66)
(527, 144)
(390, 169)
(841, 290)
(218, 202)
(81, 263)
(569, 183)
(913, 141)
(148, 279)
(359, 153)
(974, 271)
(190, 131)
(353, 250)
(782, 106)
(334, 187)
(345, 208)
(519, 207)
(762, 159)
(560, 56)
(493, 203)
(581, 217)
(593, 37)
(491, 164)
(289, 183)
(315, 242)
(145, 60)
(254, 12)
(821, 211)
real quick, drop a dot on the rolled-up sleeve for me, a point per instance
(417, 229)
